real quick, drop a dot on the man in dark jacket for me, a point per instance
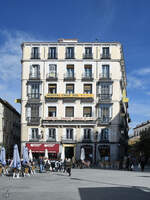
(68, 166)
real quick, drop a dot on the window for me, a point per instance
(105, 71)
(33, 113)
(52, 53)
(35, 110)
(88, 71)
(70, 71)
(52, 88)
(88, 53)
(87, 112)
(87, 134)
(69, 133)
(51, 111)
(34, 71)
(105, 52)
(105, 134)
(87, 88)
(34, 91)
(35, 53)
(34, 133)
(105, 91)
(69, 111)
(52, 70)
(69, 52)
(105, 112)
(52, 133)
(70, 88)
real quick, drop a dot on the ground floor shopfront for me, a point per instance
(94, 152)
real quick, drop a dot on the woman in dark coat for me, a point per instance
(68, 166)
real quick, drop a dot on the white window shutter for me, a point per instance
(100, 112)
(30, 133)
(110, 111)
(40, 111)
(47, 134)
(28, 89)
(111, 89)
(28, 111)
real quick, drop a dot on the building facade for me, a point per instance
(10, 127)
(74, 96)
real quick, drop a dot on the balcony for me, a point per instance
(34, 140)
(87, 77)
(50, 139)
(69, 77)
(105, 77)
(86, 140)
(104, 97)
(69, 56)
(51, 77)
(103, 140)
(35, 55)
(52, 56)
(87, 56)
(103, 120)
(65, 140)
(34, 76)
(33, 120)
(105, 56)
(33, 97)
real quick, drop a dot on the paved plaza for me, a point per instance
(84, 184)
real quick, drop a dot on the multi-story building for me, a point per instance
(10, 130)
(74, 96)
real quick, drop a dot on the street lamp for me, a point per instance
(95, 142)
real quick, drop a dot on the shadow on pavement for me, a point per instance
(114, 193)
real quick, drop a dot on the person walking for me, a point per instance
(68, 166)
(142, 162)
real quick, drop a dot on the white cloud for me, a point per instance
(143, 71)
(135, 82)
(10, 66)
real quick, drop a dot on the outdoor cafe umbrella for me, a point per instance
(16, 158)
(63, 155)
(82, 156)
(25, 155)
(3, 156)
(30, 155)
(46, 153)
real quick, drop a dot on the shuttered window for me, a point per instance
(52, 111)
(88, 88)
(69, 111)
(52, 88)
(87, 112)
(70, 88)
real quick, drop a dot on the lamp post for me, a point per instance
(95, 144)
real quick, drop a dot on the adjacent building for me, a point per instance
(10, 128)
(74, 96)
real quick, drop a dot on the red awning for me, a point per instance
(40, 147)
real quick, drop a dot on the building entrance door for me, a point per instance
(69, 152)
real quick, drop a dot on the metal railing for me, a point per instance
(69, 76)
(105, 56)
(87, 56)
(34, 75)
(51, 76)
(69, 56)
(104, 120)
(35, 55)
(87, 76)
(34, 95)
(104, 97)
(52, 56)
(105, 76)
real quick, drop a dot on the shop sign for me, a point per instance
(69, 96)
(40, 147)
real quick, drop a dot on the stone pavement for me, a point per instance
(84, 184)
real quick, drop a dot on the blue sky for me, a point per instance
(107, 20)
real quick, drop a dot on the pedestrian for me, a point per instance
(142, 162)
(68, 166)
(40, 162)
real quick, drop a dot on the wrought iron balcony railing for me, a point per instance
(52, 56)
(35, 55)
(34, 76)
(105, 56)
(87, 56)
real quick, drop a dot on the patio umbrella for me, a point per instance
(3, 156)
(46, 153)
(82, 156)
(30, 155)
(25, 155)
(16, 158)
(63, 155)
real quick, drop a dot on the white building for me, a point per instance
(73, 96)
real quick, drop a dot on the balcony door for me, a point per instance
(105, 71)
(52, 70)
